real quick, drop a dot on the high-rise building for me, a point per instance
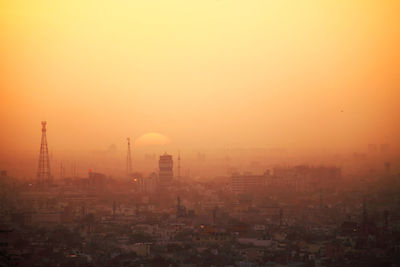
(166, 166)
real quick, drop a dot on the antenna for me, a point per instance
(128, 159)
(62, 170)
(179, 165)
(75, 172)
(74, 169)
(43, 173)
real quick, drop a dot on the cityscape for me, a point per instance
(289, 215)
(205, 133)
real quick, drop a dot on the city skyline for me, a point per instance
(197, 133)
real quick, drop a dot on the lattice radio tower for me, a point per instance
(128, 158)
(43, 172)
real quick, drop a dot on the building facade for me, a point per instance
(166, 166)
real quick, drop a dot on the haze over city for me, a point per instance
(230, 100)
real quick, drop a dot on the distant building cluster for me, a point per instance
(298, 178)
(298, 215)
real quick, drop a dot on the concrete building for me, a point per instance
(97, 181)
(305, 178)
(166, 166)
(298, 178)
(146, 185)
(247, 182)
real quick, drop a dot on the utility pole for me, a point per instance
(179, 165)
(128, 159)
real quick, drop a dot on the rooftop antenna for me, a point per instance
(43, 173)
(128, 158)
(62, 170)
(74, 169)
(179, 165)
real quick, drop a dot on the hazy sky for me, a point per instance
(221, 73)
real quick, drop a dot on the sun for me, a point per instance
(152, 139)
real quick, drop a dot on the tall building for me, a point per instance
(166, 166)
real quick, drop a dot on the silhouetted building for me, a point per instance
(305, 178)
(97, 181)
(166, 173)
(247, 182)
(145, 184)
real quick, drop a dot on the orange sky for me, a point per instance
(221, 73)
